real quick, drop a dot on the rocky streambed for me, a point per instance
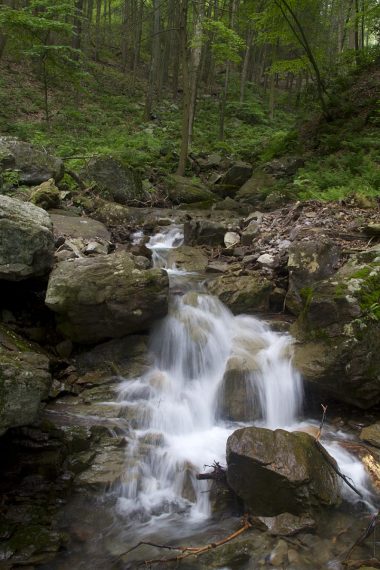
(80, 295)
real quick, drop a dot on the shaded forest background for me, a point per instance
(158, 83)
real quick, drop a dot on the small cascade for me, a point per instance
(175, 406)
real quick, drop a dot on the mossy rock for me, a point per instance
(242, 294)
(338, 331)
(183, 190)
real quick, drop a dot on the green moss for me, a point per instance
(362, 273)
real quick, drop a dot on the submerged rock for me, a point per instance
(27, 243)
(106, 297)
(261, 461)
(33, 165)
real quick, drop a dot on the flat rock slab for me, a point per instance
(78, 227)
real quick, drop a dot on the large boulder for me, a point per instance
(338, 333)
(234, 179)
(115, 180)
(277, 472)
(284, 167)
(309, 262)
(33, 165)
(255, 190)
(242, 294)
(106, 297)
(24, 382)
(78, 227)
(183, 190)
(27, 243)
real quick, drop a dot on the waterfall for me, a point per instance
(175, 407)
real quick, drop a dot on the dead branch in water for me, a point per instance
(186, 551)
(362, 538)
(324, 408)
(218, 473)
(328, 458)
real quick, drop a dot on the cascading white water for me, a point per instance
(175, 405)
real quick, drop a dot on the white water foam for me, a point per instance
(175, 405)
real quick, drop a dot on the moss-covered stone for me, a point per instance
(243, 294)
(338, 331)
(46, 195)
(183, 190)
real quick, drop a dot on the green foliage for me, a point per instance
(226, 44)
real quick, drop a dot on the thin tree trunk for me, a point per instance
(195, 61)
(77, 31)
(223, 99)
(186, 90)
(155, 60)
(244, 72)
(97, 28)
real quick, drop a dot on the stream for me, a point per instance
(176, 429)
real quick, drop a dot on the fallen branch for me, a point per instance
(218, 473)
(335, 468)
(324, 408)
(186, 551)
(368, 531)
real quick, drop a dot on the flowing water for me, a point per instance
(177, 407)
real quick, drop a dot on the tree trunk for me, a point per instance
(224, 94)
(244, 72)
(155, 60)
(97, 28)
(77, 30)
(186, 90)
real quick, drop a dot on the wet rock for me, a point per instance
(106, 469)
(27, 243)
(24, 382)
(207, 232)
(32, 164)
(237, 397)
(309, 262)
(105, 297)
(338, 333)
(287, 524)
(218, 267)
(114, 180)
(187, 258)
(279, 555)
(371, 434)
(234, 179)
(183, 190)
(31, 544)
(260, 460)
(78, 227)
(242, 294)
(46, 195)
(118, 357)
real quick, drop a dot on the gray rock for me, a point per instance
(78, 227)
(183, 190)
(260, 460)
(27, 243)
(33, 165)
(234, 179)
(207, 232)
(188, 258)
(267, 260)
(308, 263)
(255, 190)
(338, 333)
(24, 382)
(106, 297)
(284, 167)
(242, 294)
(115, 181)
